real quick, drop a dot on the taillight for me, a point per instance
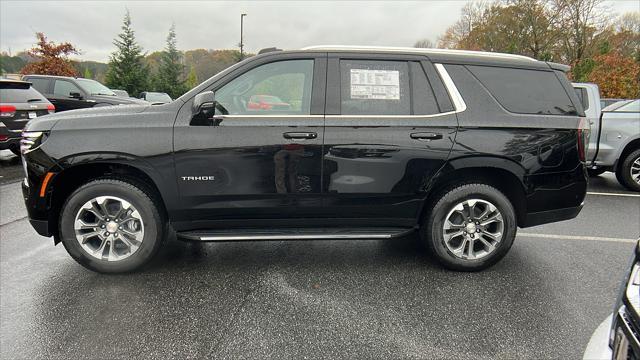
(51, 108)
(7, 111)
(584, 131)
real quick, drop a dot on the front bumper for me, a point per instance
(626, 344)
(36, 208)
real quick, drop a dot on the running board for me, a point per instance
(295, 234)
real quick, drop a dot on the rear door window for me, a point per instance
(525, 91)
(40, 84)
(374, 87)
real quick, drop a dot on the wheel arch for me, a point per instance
(72, 177)
(626, 150)
(505, 175)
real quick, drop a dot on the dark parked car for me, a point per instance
(377, 143)
(156, 97)
(69, 93)
(19, 103)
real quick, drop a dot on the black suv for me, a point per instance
(69, 93)
(362, 143)
(19, 103)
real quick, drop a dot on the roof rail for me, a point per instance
(418, 50)
(268, 50)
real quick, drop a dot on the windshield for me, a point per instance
(157, 97)
(94, 88)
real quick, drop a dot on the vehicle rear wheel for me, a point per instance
(629, 171)
(470, 227)
(596, 172)
(111, 226)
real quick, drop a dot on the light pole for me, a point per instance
(241, 29)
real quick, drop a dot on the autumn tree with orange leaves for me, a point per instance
(51, 58)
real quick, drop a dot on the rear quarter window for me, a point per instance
(583, 97)
(525, 91)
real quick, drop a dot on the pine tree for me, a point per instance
(171, 69)
(192, 79)
(127, 70)
(87, 73)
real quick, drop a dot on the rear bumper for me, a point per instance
(12, 141)
(545, 217)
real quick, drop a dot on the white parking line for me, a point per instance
(573, 237)
(612, 194)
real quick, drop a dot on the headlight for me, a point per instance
(31, 140)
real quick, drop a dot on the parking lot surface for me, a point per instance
(348, 299)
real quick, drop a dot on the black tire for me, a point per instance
(154, 225)
(596, 172)
(432, 229)
(624, 171)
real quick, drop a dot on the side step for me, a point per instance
(296, 234)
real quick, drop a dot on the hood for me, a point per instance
(116, 100)
(83, 116)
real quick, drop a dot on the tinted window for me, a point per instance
(64, 88)
(583, 97)
(525, 91)
(424, 102)
(40, 84)
(19, 93)
(282, 87)
(374, 87)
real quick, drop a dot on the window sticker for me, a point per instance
(375, 84)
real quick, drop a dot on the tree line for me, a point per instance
(601, 48)
(130, 68)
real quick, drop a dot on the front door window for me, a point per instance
(279, 88)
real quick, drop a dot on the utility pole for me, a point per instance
(241, 40)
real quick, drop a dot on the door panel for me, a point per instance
(263, 159)
(378, 164)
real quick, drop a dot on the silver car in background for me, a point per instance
(614, 144)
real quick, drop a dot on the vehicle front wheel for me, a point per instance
(470, 227)
(629, 171)
(111, 226)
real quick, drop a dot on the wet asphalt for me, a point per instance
(316, 299)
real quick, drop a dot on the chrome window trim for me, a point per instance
(458, 101)
(454, 94)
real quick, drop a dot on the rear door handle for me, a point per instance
(426, 136)
(300, 135)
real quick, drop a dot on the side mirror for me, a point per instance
(204, 103)
(75, 95)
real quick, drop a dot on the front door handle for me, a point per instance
(426, 136)
(300, 135)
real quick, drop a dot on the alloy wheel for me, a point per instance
(473, 229)
(109, 228)
(634, 171)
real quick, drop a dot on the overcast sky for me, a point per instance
(92, 25)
